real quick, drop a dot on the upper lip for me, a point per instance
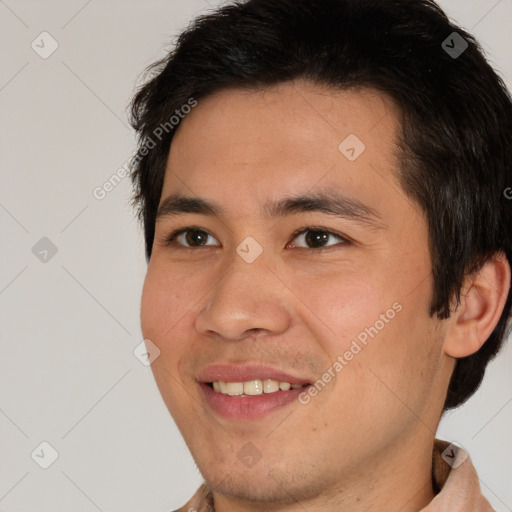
(246, 372)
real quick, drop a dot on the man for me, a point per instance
(323, 187)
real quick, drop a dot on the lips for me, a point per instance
(248, 408)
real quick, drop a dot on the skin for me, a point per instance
(365, 441)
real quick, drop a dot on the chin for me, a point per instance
(261, 483)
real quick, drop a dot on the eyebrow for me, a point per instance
(329, 202)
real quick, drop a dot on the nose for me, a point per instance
(249, 298)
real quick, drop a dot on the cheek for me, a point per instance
(167, 297)
(373, 320)
(343, 305)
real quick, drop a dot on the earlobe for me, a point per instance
(483, 298)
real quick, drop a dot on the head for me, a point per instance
(317, 101)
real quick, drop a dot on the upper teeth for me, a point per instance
(252, 387)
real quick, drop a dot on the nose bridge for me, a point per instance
(248, 297)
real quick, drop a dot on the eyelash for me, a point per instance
(170, 239)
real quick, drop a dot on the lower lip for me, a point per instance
(248, 407)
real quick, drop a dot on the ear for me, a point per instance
(483, 298)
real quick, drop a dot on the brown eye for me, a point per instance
(195, 237)
(317, 238)
(191, 237)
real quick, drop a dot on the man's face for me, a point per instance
(351, 288)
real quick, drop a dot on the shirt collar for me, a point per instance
(455, 481)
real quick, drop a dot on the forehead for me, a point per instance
(244, 146)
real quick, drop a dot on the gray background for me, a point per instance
(69, 325)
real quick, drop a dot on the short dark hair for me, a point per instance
(456, 118)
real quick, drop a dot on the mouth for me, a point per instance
(254, 387)
(239, 392)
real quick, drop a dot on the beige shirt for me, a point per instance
(456, 485)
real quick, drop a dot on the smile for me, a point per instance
(252, 387)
